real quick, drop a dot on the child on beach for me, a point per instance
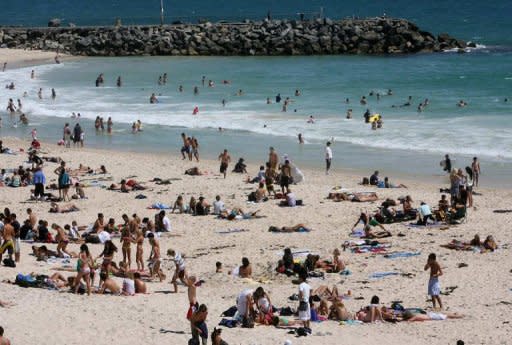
(434, 288)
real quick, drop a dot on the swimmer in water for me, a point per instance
(196, 90)
(164, 79)
(210, 83)
(349, 113)
(269, 101)
(240, 93)
(32, 74)
(160, 80)
(40, 93)
(119, 82)
(301, 138)
(195, 111)
(278, 98)
(180, 88)
(390, 92)
(347, 101)
(408, 103)
(461, 104)
(202, 80)
(223, 102)
(297, 93)
(153, 99)
(311, 119)
(54, 94)
(363, 100)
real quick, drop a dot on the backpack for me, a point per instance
(9, 262)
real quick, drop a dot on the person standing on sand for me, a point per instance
(224, 158)
(273, 159)
(475, 166)
(304, 306)
(328, 157)
(434, 288)
(286, 174)
(5, 66)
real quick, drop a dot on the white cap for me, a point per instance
(287, 342)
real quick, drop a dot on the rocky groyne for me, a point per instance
(277, 37)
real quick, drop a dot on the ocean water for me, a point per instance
(409, 142)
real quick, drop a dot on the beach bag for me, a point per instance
(193, 341)
(303, 306)
(248, 322)
(9, 262)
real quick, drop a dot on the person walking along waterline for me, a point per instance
(328, 157)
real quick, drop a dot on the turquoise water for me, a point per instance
(483, 78)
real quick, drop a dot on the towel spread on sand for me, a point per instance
(230, 231)
(380, 275)
(401, 255)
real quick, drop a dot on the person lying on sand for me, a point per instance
(296, 228)
(388, 184)
(370, 313)
(412, 316)
(488, 245)
(5, 304)
(42, 253)
(368, 233)
(55, 208)
(338, 311)
(238, 213)
(332, 266)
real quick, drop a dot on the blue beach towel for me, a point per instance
(380, 275)
(401, 255)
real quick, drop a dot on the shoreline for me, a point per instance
(21, 58)
(201, 241)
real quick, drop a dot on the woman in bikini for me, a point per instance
(126, 240)
(83, 266)
(139, 240)
(108, 252)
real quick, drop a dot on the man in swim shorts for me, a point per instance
(8, 237)
(224, 158)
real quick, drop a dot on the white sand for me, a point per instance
(50, 317)
(16, 58)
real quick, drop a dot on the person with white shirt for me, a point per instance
(328, 157)
(304, 293)
(165, 223)
(244, 304)
(425, 214)
(218, 205)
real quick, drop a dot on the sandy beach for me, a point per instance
(16, 58)
(481, 290)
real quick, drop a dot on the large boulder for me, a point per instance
(54, 23)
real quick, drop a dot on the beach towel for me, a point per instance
(396, 255)
(159, 206)
(430, 225)
(231, 231)
(380, 275)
